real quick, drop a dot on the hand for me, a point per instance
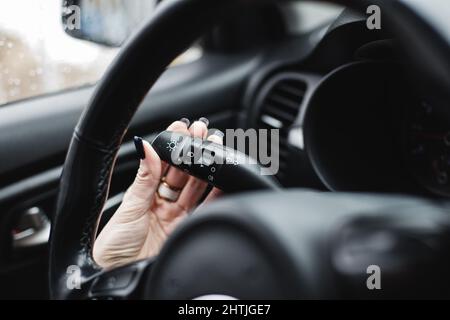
(144, 220)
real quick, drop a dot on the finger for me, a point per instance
(142, 190)
(195, 188)
(176, 126)
(214, 194)
(176, 178)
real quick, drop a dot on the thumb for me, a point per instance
(148, 176)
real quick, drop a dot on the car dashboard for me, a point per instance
(350, 116)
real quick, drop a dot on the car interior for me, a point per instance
(364, 158)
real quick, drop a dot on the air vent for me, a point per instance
(278, 107)
(281, 104)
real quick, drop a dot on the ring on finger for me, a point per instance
(167, 192)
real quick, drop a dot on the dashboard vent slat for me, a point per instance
(279, 114)
(283, 101)
(291, 90)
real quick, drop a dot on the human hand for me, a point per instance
(145, 219)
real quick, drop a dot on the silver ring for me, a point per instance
(166, 192)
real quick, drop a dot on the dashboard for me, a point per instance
(428, 144)
(353, 118)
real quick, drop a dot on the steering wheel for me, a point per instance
(269, 247)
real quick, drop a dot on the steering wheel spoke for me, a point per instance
(120, 283)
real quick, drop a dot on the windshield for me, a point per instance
(37, 57)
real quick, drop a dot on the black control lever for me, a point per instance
(220, 166)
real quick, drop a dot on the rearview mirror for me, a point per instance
(107, 22)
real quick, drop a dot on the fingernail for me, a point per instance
(139, 145)
(185, 121)
(204, 120)
(218, 133)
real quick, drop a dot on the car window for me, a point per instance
(37, 57)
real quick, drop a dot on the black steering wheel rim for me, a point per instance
(99, 133)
